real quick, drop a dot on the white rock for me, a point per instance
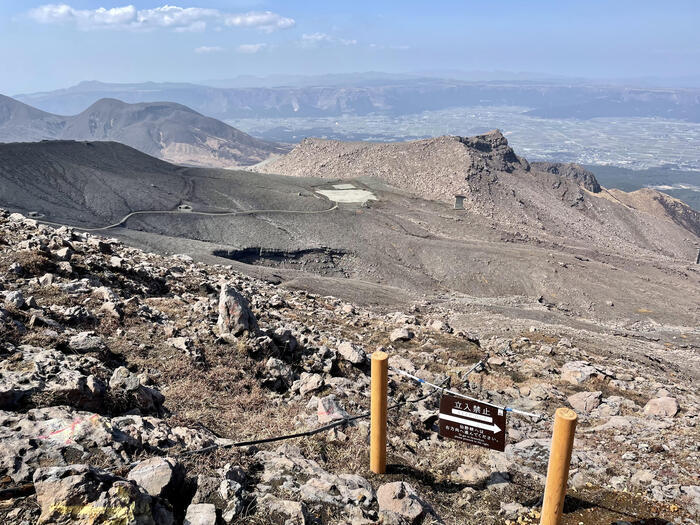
(155, 475)
(63, 254)
(400, 334)
(46, 279)
(496, 361)
(352, 353)
(283, 511)
(642, 477)
(86, 342)
(400, 498)
(662, 407)
(585, 402)
(200, 514)
(15, 299)
(473, 474)
(308, 383)
(576, 372)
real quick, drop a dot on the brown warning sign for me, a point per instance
(473, 422)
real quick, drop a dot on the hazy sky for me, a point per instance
(48, 46)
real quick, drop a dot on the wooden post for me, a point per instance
(558, 470)
(380, 374)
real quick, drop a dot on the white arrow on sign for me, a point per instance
(471, 415)
(491, 428)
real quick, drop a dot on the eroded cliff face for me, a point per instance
(571, 171)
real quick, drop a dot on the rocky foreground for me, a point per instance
(127, 381)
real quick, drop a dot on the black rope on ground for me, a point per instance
(308, 433)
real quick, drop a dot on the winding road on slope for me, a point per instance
(188, 212)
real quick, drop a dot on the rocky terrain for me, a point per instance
(130, 383)
(165, 130)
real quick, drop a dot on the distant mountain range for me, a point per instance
(336, 95)
(165, 130)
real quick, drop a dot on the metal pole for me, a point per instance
(558, 470)
(379, 381)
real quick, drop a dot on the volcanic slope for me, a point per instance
(540, 200)
(386, 249)
(163, 129)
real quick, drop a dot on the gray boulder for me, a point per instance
(287, 466)
(308, 383)
(134, 393)
(662, 407)
(401, 499)
(235, 315)
(352, 353)
(329, 410)
(585, 402)
(157, 476)
(53, 377)
(47, 436)
(86, 342)
(200, 514)
(576, 372)
(15, 299)
(400, 334)
(282, 512)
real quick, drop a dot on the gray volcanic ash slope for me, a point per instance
(98, 183)
(20, 122)
(599, 253)
(166, 130)
(86, 183)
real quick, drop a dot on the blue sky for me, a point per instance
(46, 45)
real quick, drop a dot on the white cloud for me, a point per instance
(128, 18)
(250, 49)
(315, 39)
(203, 50)
(61, 13)
(267, 21)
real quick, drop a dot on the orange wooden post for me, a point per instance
(378, 409)
(558, 470)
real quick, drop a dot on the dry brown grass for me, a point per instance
(225, 396)
(49, 295)
(34, 262)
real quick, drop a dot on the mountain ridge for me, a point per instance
(496, 183)
(395, 95)
(168, 130)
